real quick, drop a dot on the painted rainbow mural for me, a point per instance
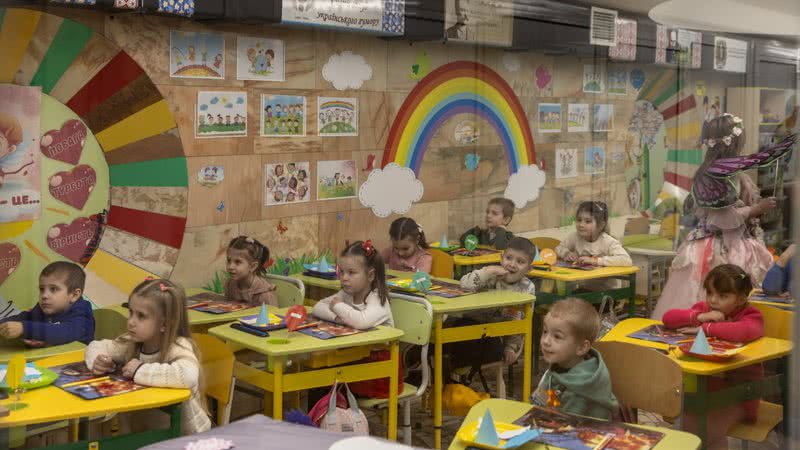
(457, 88)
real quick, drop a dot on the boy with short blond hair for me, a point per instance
(61, 316)
(499, 213)
(577, 377)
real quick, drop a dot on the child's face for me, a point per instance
(54, 296)
(559, 344)
(404, 247)
(726, 303)
(145, 324)
(516, 263)
(586, 226)
(239, 265)
(354, 275)
(495, 217)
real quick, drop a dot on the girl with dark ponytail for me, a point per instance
(247, 261)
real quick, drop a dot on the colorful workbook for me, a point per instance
(78, 380)
(209, 302)
(329, 330)
(761, 296)
(275, 322)
(659, 333)
(438, 288)
(581, 433)
(473, 253)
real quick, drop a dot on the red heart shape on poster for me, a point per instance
(9, 260)
(73, 187)
(295, 316)
(71, 240)
(65, 144)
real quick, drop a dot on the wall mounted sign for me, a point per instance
(378, 16)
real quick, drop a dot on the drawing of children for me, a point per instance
(279, 170)
(292, 168)
(290, 197)
(278, 110)
(278, 196)
(210, 119)
(302, 191)
(302, 175)
(270, 57)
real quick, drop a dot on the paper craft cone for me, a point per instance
(522, 438)
(443, 241)
(263, 316)
(700, 345)
(323, 265)
(487, 433)
(295, 316)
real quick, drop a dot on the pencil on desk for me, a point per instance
(604, 443)
(90, 380)
(198, 305)
(308, 325)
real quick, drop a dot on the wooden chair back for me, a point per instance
(216, 361)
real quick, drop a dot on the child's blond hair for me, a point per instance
(581, 317)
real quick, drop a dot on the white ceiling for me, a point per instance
(635, 6)
(773, 17)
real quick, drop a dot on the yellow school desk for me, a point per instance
(696, 397)
(280, 345)
(788, 304)
(509, 411)
(465, 264)
(11, 347)
(52, 404)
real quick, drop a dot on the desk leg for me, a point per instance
(393, 380)
(437, 383)
(632, 290)
(702, 415)
(526, 368)
(277, 389)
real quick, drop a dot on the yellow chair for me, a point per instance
(442, 266)
(289, 291)
(545, 242)
(669, 226)
(109, 324)
(217, 360)
(777, 324)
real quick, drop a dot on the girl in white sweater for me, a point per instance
(157, 350)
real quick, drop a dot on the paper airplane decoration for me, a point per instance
(700, 345)
(487, 433)
(263, 317)
(323, 264)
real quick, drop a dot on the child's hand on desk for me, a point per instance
(130, 369)
(711, 316)
(571, 258)
(497, 271)
(103, 364)
(591, 260)
(11, 330)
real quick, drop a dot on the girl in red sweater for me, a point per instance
(726, 315)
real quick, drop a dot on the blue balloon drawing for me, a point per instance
(637, 78)
(471, 160)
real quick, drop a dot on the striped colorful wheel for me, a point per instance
(136, 132)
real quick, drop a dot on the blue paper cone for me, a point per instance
(323, 265)
(263, 316)
(443, 241)
(700, 345)
(487, 433)
(523, 438)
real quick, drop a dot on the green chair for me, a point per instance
(109, 324)
(414, 316)
(290, 291)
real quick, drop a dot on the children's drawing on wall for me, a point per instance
(577, 117)
(646, 124)
(283, 115)
(603, 118)
(637, 78)
(594, 160)
(336, 179)
(337, 116)
(467, 132)
(287, 182)
(259, 59)
(471, 161)
(566, 163)
(20, 186)
(617, 81)
(549, 117)
(675, 46)
(544, 81)
(421, 66)
(221, 114)
(511, 62)
(196, 55)
(210, 176)
(346, 70)
(593, 79)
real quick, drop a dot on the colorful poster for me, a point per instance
(336, 179)
(337, 116)
(593, 79)
(221, 114)
(479, 21)
(625, 50)
(566, 163)
(617, 81)
(260, 59)
(287, 183)
(730, 55)
(594, 160)
(549, 117)
(467, 132)
(675, 46)
(20, 186)
(196, 55)
(578, 117)
(380, 16)
(603, 118)
(283, 115)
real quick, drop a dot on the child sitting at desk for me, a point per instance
(246, 261)
(725, 314)
(510, 275)
(577, 381)
(778, 279)
(409, 250)
(156, 351)
(499, 213)
(61, 316)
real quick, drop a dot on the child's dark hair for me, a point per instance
(373, 261)
(255, 250)
(523, 245)
(505, 204)
(728, 279)
(75, 276)
(598, 210)
(406, 227)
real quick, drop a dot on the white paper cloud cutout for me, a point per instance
(346, 70)
(511, 62)
(366, 443)
(392, 189)
(525, 185)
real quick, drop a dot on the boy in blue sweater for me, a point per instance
(779, 277)
(61, 316)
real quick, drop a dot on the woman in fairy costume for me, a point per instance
(727, 205)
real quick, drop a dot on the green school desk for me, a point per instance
(9, 348)
(52, 404)
(462, 265)
(280, 345)
(509, 411)
(696, 397)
